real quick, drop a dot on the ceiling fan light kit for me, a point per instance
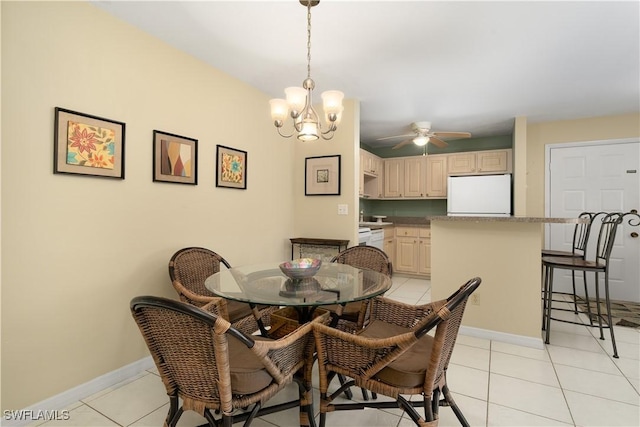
(299, 102)
(422, 135)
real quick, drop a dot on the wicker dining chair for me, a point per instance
(352, 316)
(211, 366)
(188, 270)
(394, 355)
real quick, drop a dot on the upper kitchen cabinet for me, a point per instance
(371, 175)
(480, 162)
(405, 177)
(436, 182)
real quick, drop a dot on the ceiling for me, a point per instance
(463, 66)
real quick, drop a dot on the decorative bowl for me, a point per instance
(301, 268)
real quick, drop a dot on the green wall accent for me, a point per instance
(411, 208)
(456, 146)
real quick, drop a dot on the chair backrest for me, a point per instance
(188, 346)
(607, 236)
(447, 322)
(366, 257)
(192, 266)
(582, 231)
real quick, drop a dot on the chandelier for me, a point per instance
(299, 102)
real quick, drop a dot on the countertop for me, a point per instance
(526, 219)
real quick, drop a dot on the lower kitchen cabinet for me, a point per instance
(389, 246)
(413, 250)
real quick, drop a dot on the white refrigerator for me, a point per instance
(479, 195)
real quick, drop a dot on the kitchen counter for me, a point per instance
(527, 219)
(505, 253)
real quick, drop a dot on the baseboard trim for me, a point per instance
(68, 397)
(503, 337)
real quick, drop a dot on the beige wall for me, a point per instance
(538, 135)
(75, 250)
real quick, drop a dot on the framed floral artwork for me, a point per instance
(231, 167)
(175, 158)
(84, 144)
(322, 176)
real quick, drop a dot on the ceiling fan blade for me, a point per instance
(403, 143)
(392, 137)
(453, 134)
(437, 142)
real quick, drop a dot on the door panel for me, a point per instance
(597, 177)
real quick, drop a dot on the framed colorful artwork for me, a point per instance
(175, 158)
(231, 167)
(322, 176)
(88, 145)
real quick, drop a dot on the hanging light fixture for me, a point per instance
(299, 102)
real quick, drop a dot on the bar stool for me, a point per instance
(606, 238)
(581, 233)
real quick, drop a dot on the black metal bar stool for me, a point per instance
(606, 238)
(581, 234)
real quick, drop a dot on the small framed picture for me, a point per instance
(231, 167)
(175, 158)
(322, 176)
(84, 144)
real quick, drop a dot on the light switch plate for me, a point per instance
(343, 209)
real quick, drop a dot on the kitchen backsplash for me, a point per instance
(403, 208)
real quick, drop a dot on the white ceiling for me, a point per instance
(464, 66)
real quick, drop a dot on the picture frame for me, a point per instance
(231, 167)
(175, 158)
(322, 176)
(84, 144)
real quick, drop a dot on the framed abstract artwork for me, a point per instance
(84, 144)
(231, 167)
(175, 158)
(322, 176)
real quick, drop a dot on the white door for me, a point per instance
(594, 177)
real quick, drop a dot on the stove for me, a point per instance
(364, 236)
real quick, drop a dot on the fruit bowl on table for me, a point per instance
(300, 268)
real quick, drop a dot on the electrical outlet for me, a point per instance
(343, 209)
(475, 298)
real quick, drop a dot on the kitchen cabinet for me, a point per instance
(393, 177)
(404, 177)
(480, 162)
(371, 175)
(389, 246)
(436, 176)
(413, 250)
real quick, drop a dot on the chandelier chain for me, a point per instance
(309, 39)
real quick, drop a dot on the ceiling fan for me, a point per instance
(422, 135)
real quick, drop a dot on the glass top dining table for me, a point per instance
(265, 284)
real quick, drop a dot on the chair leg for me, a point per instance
(549, 291)
(545, 273)
(449, 399)
(586, 297)
(575, 296)
(609, 320)
(347, 392)
(598, 310)
(174, 413)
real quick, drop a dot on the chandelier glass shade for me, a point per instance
(298, 104)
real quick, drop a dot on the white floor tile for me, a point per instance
(132, 401)
(537, 371)
(366, 417)
(468, 381)
(82, 416)
(612, 387)
(474, 411)
(518, 350)
(582, 342)
(593, 411)
(528, 397)
(501, 416)
(473, 341)
(582, 359)
(472, 357)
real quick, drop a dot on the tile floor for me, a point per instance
(574, 381)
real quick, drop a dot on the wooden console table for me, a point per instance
(307, 242)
